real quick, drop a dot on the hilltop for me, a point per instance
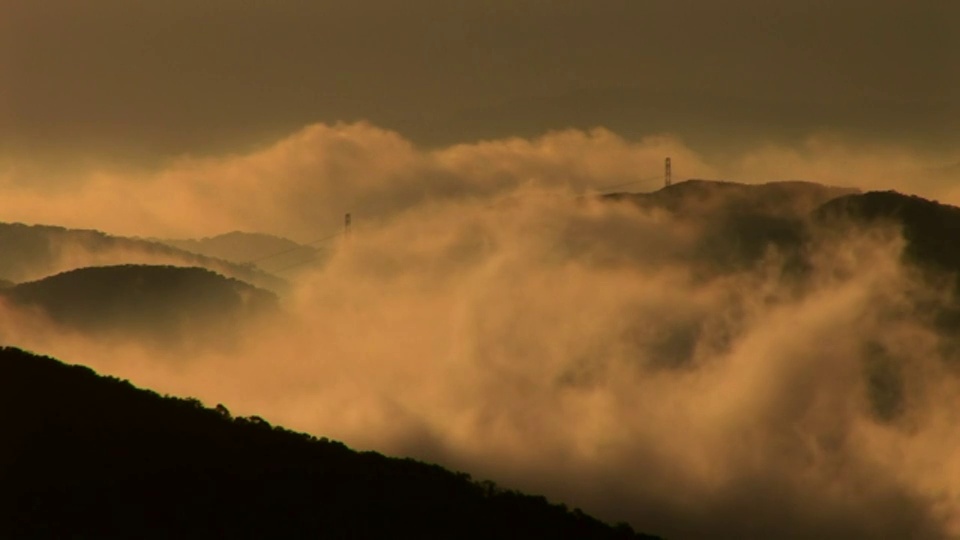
(164, 305)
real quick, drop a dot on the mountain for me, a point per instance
(86, 456)
(931, 229)
(262, 250)
(740, 223)
(168, 305)
(709, 199)
(931, 234)
(35, 251)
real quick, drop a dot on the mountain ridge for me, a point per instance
(92, 456)
(247, 248)
(36, 251)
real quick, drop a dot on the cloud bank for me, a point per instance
(301, 185)
(486, 316)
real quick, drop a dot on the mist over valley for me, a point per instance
(757, 359)
(496, 269)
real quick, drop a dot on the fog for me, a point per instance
(486, 315)
(301, 185)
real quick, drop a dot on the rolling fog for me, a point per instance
(488, 316)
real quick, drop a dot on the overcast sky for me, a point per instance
(146, 78)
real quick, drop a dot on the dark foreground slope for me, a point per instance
(85, 456)
(164, 305)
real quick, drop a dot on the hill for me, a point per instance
(262, 250)
(35, 251)
(166, 305)
(931, 232)
(931, 229)
(91, 457)
(739, 223)
(708, 199)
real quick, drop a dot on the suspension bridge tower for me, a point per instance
(667, 174)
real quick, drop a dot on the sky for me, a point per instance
(140, 80)
(108, 102)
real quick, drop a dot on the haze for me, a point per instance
(489, 313)
(145, 79)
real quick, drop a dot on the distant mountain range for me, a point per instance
(739, 223)
(709, 199)
(742, 223)
(262, 250)
(76, 444)
(744, 220)
(85, 456)
(32, 252)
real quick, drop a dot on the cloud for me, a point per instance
(301, 185)
(831, 159)
(486, 317)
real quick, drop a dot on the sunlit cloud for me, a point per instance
(301, 185)
(486, 316)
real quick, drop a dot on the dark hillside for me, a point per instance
(707, 198)
(931, 232)
(165, 304)
(931, 229)
(740, 223)
(91, 457)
